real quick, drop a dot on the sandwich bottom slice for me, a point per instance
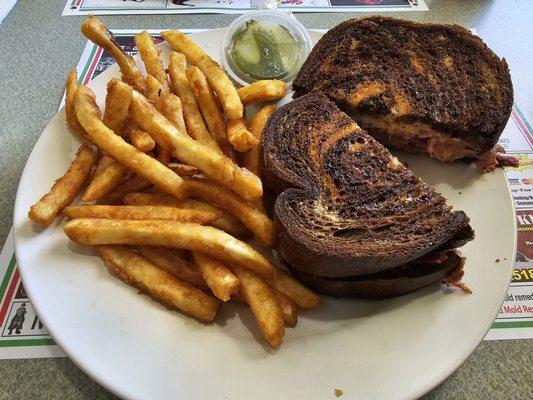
(439, 266)
(352, 220)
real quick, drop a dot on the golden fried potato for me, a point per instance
(208, 103)
(150, 56)
(226, 221)
(97, 32)
(240, 137)
(194, 237)
(106, 181)
(141, 140)
(133, 184)
(217, 167)
(113, 145)
(166, 103)
(257, 92)
(217, 276)
(151, 213)
(288, 308)
(173, 261)
(163, 286)
(194, 122)
(117, 104)
(298, 293)
(65, 188)
(263, 303)
(256, 126)
(252, 217)
(71, 88)
(101, 165)
(217, 78)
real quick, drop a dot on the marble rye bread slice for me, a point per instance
(434, 267)
(428, 88)
(345, 206)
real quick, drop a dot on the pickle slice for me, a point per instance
(265, 51)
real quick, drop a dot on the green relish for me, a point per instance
(263, 50)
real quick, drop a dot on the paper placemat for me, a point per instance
(123, 7)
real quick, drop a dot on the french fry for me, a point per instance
(289, 310)
(194, 237)
(117, 103)
(98, 33)
(240, 137)
(141, 140)
(226, 221)
(257, 92)
(113, 145)
(252, 217)
(71, 88)
(173, 261)
(217, 167)
(151, 213)
(184, 169)
(166, 103)
(154, 89)
(105, 182)
(102, 164)
(298, 293)
(115, 173)
(256, 126)
(134, 184)
(194, 122)
(263, 303)
(65, 188)
(151, 199)
(219, 278)
(217, 78)
(172, 109)
(150, 56)
(208, 104)
(163, 286)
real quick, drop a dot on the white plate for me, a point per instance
(137, 349)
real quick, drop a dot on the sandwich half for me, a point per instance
(352, 219)
(425, 88)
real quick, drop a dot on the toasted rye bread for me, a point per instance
(425, 271)
(429, 88)
(345, 206)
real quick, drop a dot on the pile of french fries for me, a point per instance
(169, 183)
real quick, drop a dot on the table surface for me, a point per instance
(38, 46)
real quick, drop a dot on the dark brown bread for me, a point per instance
(345, 206)
(438, 79)
(425, 271)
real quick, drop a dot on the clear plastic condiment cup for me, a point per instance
(295, 28)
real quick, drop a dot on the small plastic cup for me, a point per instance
(296, 29)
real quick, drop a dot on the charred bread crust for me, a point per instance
(391, 283)
(441, 75)
(345, 206)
